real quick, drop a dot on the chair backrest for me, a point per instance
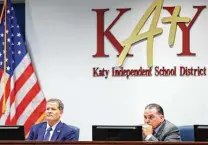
(76, 131)
(187, 132)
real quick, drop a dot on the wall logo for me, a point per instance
(174, 20)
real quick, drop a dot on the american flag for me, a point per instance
(24, 100)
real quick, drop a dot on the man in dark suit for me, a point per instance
(53, 128)
(156, 127)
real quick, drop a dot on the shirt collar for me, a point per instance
(157, 129)
(53, 127)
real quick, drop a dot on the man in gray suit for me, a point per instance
(156, 127)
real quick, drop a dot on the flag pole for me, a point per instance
(2, 12)
(5, 53)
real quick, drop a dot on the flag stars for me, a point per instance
(8, 11)
(8, 68)
(19, 43)
(19, 52)
(14, 53)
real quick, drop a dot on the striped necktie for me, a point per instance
(47, 135)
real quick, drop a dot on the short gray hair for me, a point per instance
(59, 102)
(156, 106)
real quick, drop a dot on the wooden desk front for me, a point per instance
(97, 143)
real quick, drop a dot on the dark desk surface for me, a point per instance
(97, 143)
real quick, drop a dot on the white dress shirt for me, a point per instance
(53, 128)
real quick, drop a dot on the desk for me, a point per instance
(97, 143)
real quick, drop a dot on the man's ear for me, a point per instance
(162, 116)
(61, 111)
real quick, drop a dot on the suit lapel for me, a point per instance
(161, 129)
(41, 131)
(57, 131)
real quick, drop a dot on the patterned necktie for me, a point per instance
(47, 135)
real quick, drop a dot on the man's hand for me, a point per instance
(147, 129)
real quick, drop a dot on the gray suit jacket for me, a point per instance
(167, 132)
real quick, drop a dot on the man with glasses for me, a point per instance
(156, 127)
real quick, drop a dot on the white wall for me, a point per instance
(62, 39)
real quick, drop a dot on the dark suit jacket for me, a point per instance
(167, 132)
(61, 132)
